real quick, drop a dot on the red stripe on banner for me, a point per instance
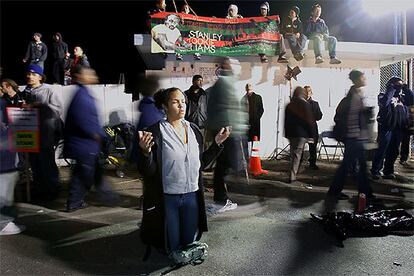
(162, 15)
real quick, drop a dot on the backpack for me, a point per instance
(340, 128)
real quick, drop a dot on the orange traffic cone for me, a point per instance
(255, 167)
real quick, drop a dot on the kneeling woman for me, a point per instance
(171, 159)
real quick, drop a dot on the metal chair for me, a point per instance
(324, 145)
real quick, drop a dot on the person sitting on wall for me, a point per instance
(318, 32)
(292, 30)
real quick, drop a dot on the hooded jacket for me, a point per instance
(59, 48)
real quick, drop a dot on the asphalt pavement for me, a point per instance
(270, 233)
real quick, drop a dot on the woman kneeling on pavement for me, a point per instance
(171, 159)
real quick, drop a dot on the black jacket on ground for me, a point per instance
(153, 231)
(299, 121)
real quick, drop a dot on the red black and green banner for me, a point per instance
(224, 37)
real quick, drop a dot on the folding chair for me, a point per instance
(324, 144)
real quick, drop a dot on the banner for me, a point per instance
(24, 129)
(190, 34)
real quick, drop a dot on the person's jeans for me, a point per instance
(7, 210)
(354, 152)
(388, 149)
(318, 40)
(297, 144)
(181, 215)
(297, 45)
(87, 172)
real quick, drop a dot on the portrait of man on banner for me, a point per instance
(166, 37)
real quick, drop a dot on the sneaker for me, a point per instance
(389, 176)
(178, 56)
(71, 209)
(298, 56)
(282, 59)
(228, 206)
(264, 59)
(12, 229)
(306, 186)
(335, 61)
(319, 60)
(197, 56)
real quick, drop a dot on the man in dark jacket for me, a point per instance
(60, 52)
(299, 129)
(392, 120)
(352, 119)
(36, 52)
(83, 136)
(254, 106)
(197, 103)
(317, 115)
(292, 30)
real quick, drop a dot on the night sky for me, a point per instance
(105, 29)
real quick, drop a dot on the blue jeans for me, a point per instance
(318, 40)
(297, 45)
(354, 152)
(181, 215)
(387, 151)
(87, 172)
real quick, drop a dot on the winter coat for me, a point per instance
(393, 110)
(149, 113)
(153, 228)
(196, 106)
(292, 27)
(299, 122)
(36, 52)
(317, 114)
(59, 48)
(82, 125)
(255, 108)
(316, 28)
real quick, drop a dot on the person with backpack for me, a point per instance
(352, 130)
(392, 120)
(171, 159)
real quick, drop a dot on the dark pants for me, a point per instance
(85, 173)
(181, 215)
(58, 71)
(297, 45)
(312, 152)
(405, 146)
(388, 149)
(45, 173)
(230, 158)
(354, 152)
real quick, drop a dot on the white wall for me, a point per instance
(329, 85)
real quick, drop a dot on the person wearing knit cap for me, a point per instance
(318, 32)
(264, 11)
(292, 30)
(233, 12)
(36, 52)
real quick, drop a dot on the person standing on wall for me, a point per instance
(36, 52)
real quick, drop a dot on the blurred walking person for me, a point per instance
(351, 128)
(83, 136)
